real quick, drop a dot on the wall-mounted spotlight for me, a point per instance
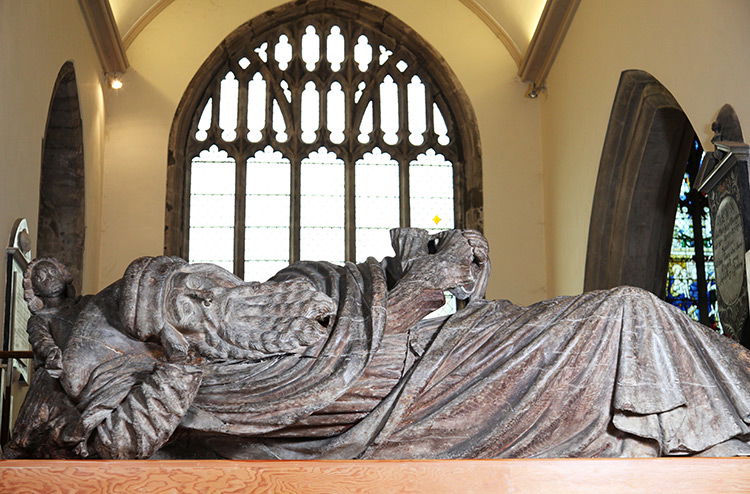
(114, 81)
(534, 90)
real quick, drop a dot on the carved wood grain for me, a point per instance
(694, 475)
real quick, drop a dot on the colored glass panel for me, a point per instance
(690, 270)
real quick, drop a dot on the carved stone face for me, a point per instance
(47, 280)
(247, 320)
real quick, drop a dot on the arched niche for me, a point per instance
(61, 226)
(727, 125)
(643, 161)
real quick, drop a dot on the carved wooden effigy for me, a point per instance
(179, 360)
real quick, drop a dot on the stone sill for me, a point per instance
(694, 475)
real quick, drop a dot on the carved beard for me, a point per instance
(251, 320)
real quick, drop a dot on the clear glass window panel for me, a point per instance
(215, 245)
(268, 190)
(373, 242)
(267, 214)
(431, 192)
(322, 211)
(262, 270)
(228, 107)
(268, 173)
(432, 214)
(322, 191)
(267, 244)
(377, 212)
(427, 180)
(204, 123)
(322, 207)
(212, 210)
(376, 190)
(212, 172)
(322, 244)
(267, 211)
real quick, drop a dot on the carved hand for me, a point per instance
(454, 261)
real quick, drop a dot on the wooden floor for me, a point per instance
(660, 475)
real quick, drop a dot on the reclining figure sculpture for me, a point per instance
(179, 360)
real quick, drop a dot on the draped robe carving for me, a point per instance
(323, 361)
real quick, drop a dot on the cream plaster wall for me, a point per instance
(36, 38)
(169, 51)
(698, 49)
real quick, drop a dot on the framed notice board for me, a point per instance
(15, 374)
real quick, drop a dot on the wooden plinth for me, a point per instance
(676, 475)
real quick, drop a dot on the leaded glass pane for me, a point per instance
(322, 207)
(431, 192)
(267, 214)
(377, 204)
(212, 208)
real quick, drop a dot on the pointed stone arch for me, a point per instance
(61, 226)
(643, 161)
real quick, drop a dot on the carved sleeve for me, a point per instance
(149, 414)
(132, 404)
(454, 260)
(44, 346)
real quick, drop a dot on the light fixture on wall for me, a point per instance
(534, 90)
(113, 79)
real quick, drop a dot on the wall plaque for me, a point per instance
(724, 178)
(15, 376)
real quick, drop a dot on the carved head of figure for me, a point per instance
(46, 283)
(213, 313)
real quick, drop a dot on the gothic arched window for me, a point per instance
(691, 280)
(309, 133)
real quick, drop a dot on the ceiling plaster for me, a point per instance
(512, 21)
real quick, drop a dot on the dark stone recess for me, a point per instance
(61, 228)
(643, 161)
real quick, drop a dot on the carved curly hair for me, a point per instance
(33, 295)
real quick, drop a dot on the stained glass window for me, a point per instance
(691, 280)
(311, 140)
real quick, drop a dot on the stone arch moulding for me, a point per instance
(447, 88)
(61, 226)
(643, 161)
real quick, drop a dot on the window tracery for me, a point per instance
(309, 133)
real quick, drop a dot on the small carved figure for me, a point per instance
(49, 292)
(179, 360)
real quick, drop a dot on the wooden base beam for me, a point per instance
(695, 475)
